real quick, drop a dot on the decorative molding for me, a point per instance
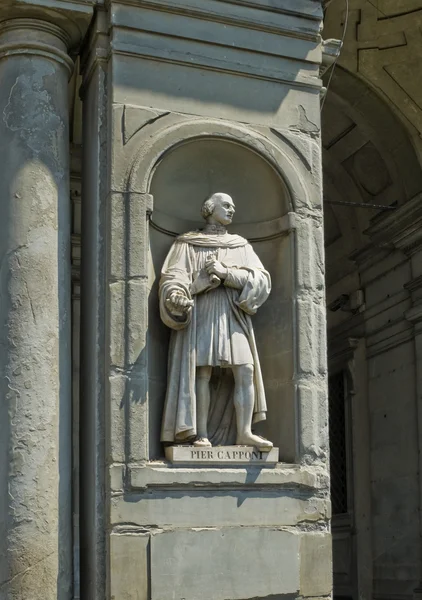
(239, 39)
(344, 347)
(135, 119)
(401, 229)
(330, 53)
(369, 255)
(231, 64)
(71, 17)
(21, 23)
(414, 285)
(391, 340)
(19, 40)
(176, 129)
(301, 145)
(96, 49)
(414, 314)
(354, 327)
(37, 49)
(303, 21)
(398, 230)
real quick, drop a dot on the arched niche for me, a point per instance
(181, 179)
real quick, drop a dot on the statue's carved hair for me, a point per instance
(208, 207)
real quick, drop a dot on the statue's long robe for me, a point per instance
(217, 332)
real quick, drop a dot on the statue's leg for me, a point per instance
(203, 376)
(244, 399)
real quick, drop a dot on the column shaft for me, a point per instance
(35, 358)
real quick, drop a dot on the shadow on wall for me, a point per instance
(193, 90)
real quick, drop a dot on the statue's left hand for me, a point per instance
(214, 267)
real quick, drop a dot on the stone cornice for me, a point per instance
(414, 285)
(261, 14)
(330, 52)
(96, 48)
(401, 228)
(368, 255)
(239, 39)
(258, 18)
(414, 314)
(311, 8)
(342, 350)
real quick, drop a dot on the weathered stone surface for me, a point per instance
(216, 508)
(313, 421)
(119, 386)
(35, 381)
(315, 564)
(129, 566)
(224, 563)
(36, 454)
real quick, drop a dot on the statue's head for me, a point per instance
(218, 208)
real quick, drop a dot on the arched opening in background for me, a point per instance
(370, 169)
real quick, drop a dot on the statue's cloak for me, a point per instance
(246, 287)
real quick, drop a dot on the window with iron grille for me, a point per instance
(338, 442)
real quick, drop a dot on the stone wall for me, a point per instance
(180, 98)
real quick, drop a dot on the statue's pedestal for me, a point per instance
(221, 455)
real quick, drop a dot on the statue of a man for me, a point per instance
(211, 283)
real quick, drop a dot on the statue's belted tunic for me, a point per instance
(217, 332)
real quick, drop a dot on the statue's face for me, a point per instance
(223, 209)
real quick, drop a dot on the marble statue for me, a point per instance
(211, 283)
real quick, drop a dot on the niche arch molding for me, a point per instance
(287, 160)
(289, 154)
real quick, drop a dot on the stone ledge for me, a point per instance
(161, 474)
(203, 507)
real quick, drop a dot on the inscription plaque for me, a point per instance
(218, 455)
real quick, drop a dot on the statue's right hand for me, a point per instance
(179, 304)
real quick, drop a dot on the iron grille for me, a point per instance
(338, 451)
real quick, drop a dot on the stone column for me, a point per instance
(35, 357)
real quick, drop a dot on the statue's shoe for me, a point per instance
(252, 439)
(202, 443)
(265, 445)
